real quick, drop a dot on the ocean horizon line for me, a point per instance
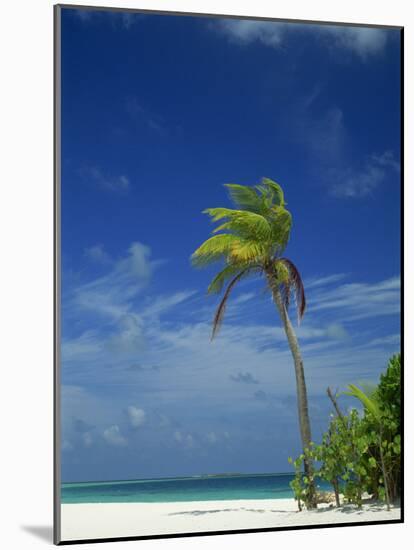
(172, 478)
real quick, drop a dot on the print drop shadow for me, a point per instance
(43, 532)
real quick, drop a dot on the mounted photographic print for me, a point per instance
(228, 274)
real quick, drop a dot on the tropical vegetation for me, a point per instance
(360, 453)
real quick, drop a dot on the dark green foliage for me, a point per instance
(358, 452)
(388, 396)
(388, 391)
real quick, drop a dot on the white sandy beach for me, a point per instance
(94, 521)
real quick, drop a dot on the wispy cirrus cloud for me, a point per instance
(111, 294)
(98, 254)
(127, 327)
(322, 131)
(145, 116)
(246, 31)
(119, 184)
(114, 308)
(363, 42)
(360, 183)
(198, 375)
(361, 300)
(324, 281)
(122, 19)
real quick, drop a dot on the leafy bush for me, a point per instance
(303, 485)
(357, 454)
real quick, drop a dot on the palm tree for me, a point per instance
(250, 241)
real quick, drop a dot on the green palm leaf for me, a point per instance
(219, 315)
(214, 249)
(275, 191)
(369, 403)
(248, 225)
(217, 283)
(245, 197)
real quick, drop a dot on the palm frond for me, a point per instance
(214, 249)
(261, 215)
(369, 403)
(281, 280)
(219, 315)
(219, 213)
(281, 222)
(282, 272)
(245, 251)
(295, 282)
(217, 283)
(248, 225)
(275, 191)
(245, 197)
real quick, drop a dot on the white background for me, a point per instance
(26, 236)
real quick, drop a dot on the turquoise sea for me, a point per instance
(182, 489)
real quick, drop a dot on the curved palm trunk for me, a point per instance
(303, 412)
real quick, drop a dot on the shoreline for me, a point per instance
(111, 520)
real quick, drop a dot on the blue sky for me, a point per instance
(158, 112)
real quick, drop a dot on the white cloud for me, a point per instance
(336, 332)
(87, 439)
(187, 440)
(243, 298)
(138, 262)
(212, 438)
(361, 300)
(387, 159)
(136, 416)
(385, 341)
(111, 294)
(244, 31)
(80, 348)
(364, 182)
(97, 254)
(128, 337)
(144, 116)
(79, 401)
(194, 369)
(123, 19)
(363, 42)
(128, 19)
(161, 304)
(120, 184)
(84, 15)
(323, 134)
(323, 281)
(113, 436)
(112, 304)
